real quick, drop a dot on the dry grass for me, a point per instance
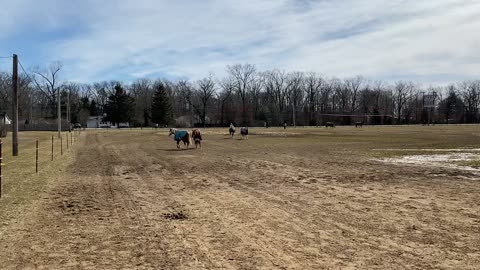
(21, 186)
(470, 163)
(304, 198)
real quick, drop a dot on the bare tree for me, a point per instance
(325, 96)
(343, 95)
(49, 82)
(366, 99)
(247, 95)
(471, 96)
(402, 94)
(70, 98)
(5, 91)
(244, 76)
(255, 92)
(295, 90)
(353, 85)
(227, 87)
(313, 83)
(275, 84)
(99, 93)
(202, 96)
(142, 91)
(184, 91)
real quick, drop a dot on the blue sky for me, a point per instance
(424, 41)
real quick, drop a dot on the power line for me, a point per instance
(28, 76)
(3, 57)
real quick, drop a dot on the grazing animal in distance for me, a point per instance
(181, 135)
(231, 130)
(329, 124)
(197, 137)
(244, 132)
(359, 124)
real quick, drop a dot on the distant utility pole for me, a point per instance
(15, 106)
(68, 109)
(59, 115)
(433, 107)
(294, 116)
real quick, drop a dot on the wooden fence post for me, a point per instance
(1, 165)
(61, 145)
(36, 158)
(52, 148)
(67, 141)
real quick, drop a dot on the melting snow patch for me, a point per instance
(461, 150)
(450, 161)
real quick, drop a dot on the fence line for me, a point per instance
(38, 154)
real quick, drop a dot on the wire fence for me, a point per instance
(36, 154)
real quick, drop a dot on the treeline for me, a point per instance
(245, 96)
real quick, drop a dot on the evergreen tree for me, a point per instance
(93, 108)
(452, 106)
(120, 107)
(162, 112)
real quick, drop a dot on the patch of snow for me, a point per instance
(449, 161)
(461, 150)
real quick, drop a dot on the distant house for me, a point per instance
(4, 119)
(93, 122)
(98, 122)
(123, 125)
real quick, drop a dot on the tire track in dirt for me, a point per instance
(260, 247)
(243, 211)
(157, 186)
(357, 220)
(139, 181)
(352, 209)
(353, 205)
(249, 243)
(348, 193)
(108, 232)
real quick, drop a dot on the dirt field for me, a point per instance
(300, 199)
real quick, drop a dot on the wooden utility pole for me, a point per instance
(15, 107)
(68, 109)
(59, 115)
(294, 116)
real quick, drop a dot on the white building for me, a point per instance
(4, 119)
(97, 122)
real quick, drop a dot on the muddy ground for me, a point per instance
(304, 199)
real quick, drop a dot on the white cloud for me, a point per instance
(375, 38)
